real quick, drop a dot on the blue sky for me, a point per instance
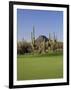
(44, 21)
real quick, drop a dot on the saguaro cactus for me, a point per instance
(49, 36)
(43, 46)
(33, 38)
(55, 42)
(33, 35)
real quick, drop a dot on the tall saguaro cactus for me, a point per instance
(43, 46)
(33, 35)
(54, 37)
(55, 42)
(33, 38)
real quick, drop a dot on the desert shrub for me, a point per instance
(24, 47)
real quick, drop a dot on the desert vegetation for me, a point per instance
(42, 44)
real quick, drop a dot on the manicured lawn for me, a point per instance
(31, 67)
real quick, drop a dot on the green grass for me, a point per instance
(47, 66)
